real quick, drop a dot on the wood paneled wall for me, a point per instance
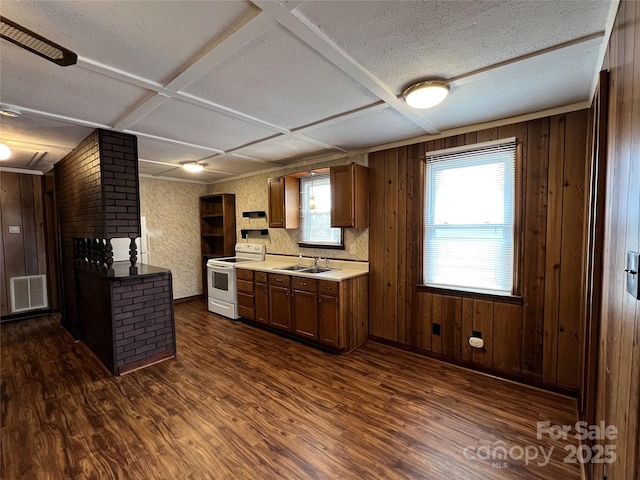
(538, 339)
(21, 253)
(618, 384)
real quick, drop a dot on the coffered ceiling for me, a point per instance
(249, 85)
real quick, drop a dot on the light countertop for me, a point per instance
(343, 269)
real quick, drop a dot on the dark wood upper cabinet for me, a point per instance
(284, 202)
(350, 196)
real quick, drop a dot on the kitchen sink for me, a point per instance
(316, 270)
(292, 268)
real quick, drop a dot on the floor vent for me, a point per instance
(28, 293)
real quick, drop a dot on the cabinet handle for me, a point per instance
(303, 283)
(278, 279)
(319, 300)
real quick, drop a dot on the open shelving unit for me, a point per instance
(217, 227)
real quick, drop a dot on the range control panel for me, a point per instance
(251, 248)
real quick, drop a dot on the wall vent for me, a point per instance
(28, 293)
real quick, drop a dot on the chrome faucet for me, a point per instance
(315, 261)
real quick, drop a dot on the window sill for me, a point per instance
(320, 245)
(512, 299)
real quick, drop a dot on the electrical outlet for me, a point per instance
(435, 329)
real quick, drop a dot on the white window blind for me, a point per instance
(469, 217)
(315, 212)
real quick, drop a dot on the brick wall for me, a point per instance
(120, 190)
(142, 320)
(95, 311)
(97, 197)
(79, 202)
(127, 322)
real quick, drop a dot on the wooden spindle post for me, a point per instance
(108, 257)
(133, 252)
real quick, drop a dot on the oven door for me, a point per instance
(221, 282)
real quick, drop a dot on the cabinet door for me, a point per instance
(342, 203)
(284, 202)
(279, 307)
(329, 321)
(262, 303)
(350, 196)
(276, 202)
(305, 313)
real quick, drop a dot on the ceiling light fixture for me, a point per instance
(29, 40)
(193, 167)
(426, 94)
(9, 111)
(5, 152)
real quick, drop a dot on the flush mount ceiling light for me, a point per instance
(193, 167)
(5, 152)
(25, 38)
(9, 111)
(426, 94)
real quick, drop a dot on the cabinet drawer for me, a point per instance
(245, 286)
(244, 274)
(261, 277)
(305, 284)
(328, 288)
(245, 312)
(279, 279)
(245, 300)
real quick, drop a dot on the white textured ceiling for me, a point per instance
(248, 85)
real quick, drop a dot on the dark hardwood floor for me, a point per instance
(241, 403)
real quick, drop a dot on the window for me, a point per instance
(469, 217)
(315, 213)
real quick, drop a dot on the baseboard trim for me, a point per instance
(530, 382)
(178, 301)
(23, 316)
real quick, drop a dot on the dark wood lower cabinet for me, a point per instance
(305, 313)
(279, 307)
(330, 313)
(262, 303)
(329, 321)
(245, 294)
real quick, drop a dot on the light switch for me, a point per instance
(632, 274)
(14, 228)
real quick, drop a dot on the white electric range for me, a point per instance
(221, 278)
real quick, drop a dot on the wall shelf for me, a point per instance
(255, 214)
(246, 231)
